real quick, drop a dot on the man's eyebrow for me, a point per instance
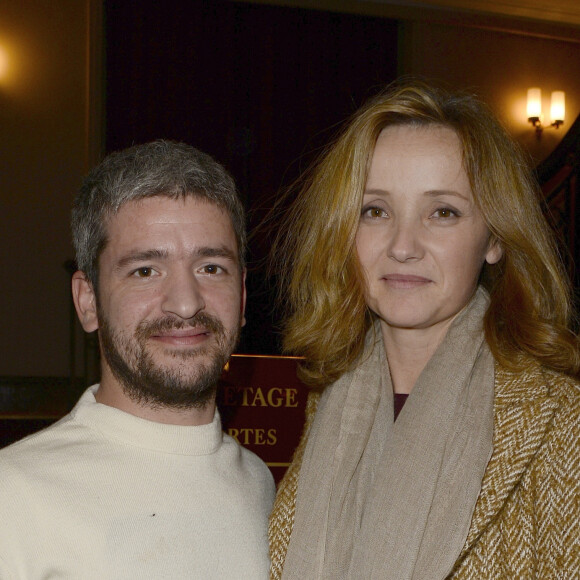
(143, 256)
(157, 254)
(216, 252)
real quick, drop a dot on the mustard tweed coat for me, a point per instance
(526, 522)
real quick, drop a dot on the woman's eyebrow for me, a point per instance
(429, 193)
(377, 191)
(453, 192)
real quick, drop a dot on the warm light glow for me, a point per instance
(534, 103)
(558, 107)
(3, 63)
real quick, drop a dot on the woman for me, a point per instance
(423, 267)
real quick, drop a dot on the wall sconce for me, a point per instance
(557, 110)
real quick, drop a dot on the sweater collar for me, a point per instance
(112, 423)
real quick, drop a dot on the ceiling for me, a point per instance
(555, 11)
(549, 18)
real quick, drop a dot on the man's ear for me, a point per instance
(243, 301)
(85, 301)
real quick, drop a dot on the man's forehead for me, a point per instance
(159, 209)
(140, 204)
(162, 216)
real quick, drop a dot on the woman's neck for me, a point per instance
(408, 352)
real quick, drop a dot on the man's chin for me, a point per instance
(171, 387)
(160, 350)
(182, 361)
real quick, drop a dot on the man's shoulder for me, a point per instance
(27, 464)
(252, 467)
(57, 444)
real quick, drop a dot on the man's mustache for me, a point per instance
(148, 328)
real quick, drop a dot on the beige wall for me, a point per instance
(499, 66)
(42, 158)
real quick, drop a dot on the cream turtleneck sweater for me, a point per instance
(106, 495)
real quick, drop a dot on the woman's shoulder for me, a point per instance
(551, 400)
(565, 386)
(530, 380)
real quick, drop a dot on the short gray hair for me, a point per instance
(157, 169)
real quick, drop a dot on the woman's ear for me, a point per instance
(494, 251)
(85, 301)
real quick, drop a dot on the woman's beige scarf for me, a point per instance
(393, 500)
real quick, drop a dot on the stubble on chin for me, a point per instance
(190, 382)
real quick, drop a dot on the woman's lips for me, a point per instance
(405, 281)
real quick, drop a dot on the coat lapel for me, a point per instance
(523, 409)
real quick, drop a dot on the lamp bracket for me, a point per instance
(537, 124)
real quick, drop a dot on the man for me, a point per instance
(139, 481)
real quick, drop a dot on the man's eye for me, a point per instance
(212, 269)
(144, 272)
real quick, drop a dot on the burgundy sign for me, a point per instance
(262, 405)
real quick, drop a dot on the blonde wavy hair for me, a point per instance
(321, 281)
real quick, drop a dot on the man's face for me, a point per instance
(170, 300)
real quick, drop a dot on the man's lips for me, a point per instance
(405, 281)
(182, 336)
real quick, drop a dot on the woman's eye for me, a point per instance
(374, 212)
(445, 212)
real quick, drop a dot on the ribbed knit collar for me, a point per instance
(112, 423)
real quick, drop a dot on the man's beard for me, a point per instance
(191, 384)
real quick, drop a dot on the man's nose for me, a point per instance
(182, 295)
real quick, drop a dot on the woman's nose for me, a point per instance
(404, 243)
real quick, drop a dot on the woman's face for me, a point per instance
(421, 240)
